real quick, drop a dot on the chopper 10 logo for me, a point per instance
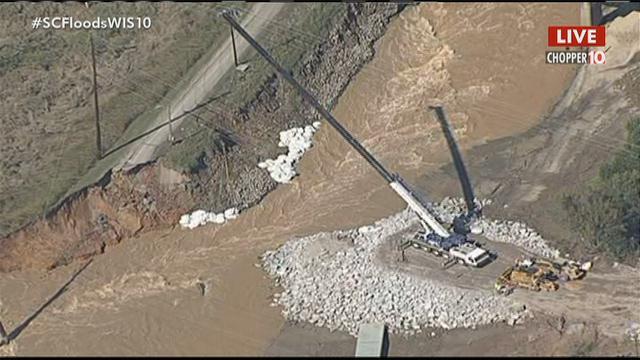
(583, 37)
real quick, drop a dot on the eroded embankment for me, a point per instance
(125, 204)
(103, 215)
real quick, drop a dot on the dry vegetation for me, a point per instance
(297, 29)
(47, 138)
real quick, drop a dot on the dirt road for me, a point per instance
(200, 86)
(144, 297)
(608, 297)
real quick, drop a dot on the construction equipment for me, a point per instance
(539, 274)
(435, 235)
(456, 247)
(527, 277)
(565, 271)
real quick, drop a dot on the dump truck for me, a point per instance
(531, 278)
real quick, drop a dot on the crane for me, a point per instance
(435, 236)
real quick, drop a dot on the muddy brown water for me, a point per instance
(483, 61)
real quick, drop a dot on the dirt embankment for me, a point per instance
(233, 179)
(89, 221)
(125, 204)
(47, 137)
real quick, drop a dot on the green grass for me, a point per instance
(166, 83)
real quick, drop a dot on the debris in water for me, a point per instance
(203, 287)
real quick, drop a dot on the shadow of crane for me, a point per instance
(5, 339)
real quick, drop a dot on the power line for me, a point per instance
(372, 67)
(207, 106)
(605, 145)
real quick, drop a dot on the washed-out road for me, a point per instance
(199, 86)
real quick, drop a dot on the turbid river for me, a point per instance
(484, 62)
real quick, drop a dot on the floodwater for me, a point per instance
(484, 62)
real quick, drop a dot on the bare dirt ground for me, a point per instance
(597, 310)
(538, 337)
(143, 297)
(146, 200)
(590, 300)
(526, 174)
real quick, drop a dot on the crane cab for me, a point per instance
(471, 254)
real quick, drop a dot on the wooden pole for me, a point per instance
(226, 166)
(95, 99)
(233, 43)
(171, 138)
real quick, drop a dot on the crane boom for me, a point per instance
(394, 181)
(311, 99)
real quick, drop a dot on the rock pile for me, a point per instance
(519, 234)
(202, 217)
(297, 141)
(506, 231)
(341, 288)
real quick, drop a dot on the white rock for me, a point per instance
(320, 282)
(476, 229)
(297, 141)
(202, 217)
(218, 219)
(231, 213)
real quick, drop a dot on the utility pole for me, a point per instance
(224, 154)
(95, 99)
(288, 76)
(171, 138)
(233, 43)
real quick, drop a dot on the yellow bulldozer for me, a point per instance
(539, 274)
(565, 271)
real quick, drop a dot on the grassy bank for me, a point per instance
(606, 211)
(48, 139)
(47, 142)
(295, 31)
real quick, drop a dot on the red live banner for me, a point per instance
(585, 36)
